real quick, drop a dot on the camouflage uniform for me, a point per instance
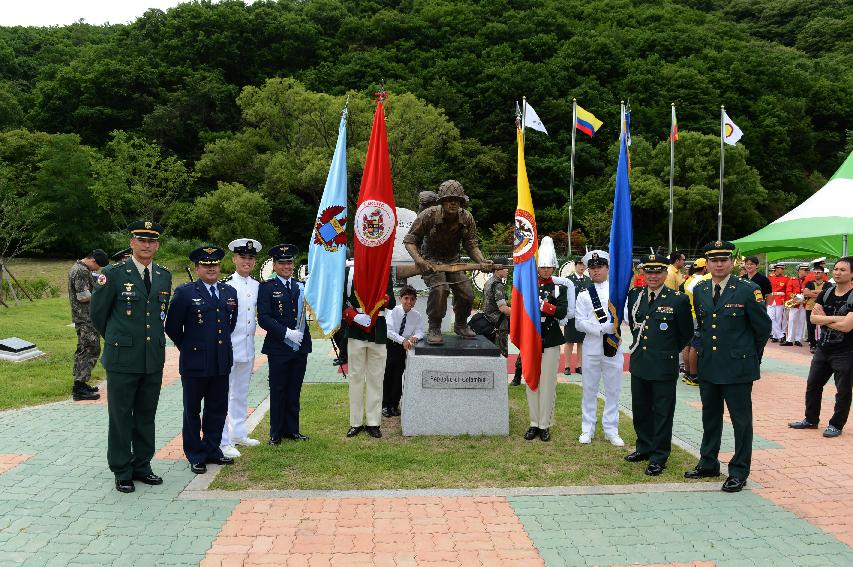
(80, 284)
(494, 295)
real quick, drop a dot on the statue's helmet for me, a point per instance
(452, 189)
(426, 198)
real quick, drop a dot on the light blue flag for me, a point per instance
(327, 250)
(621, 239)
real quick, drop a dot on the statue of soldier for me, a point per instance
(435, 238)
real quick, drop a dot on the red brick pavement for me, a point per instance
(8, 461)
(427, 531)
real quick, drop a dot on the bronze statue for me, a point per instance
(435, 238)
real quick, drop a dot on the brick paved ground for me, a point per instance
(58, 505)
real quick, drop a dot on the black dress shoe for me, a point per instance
(531, 433)
(150, 478)
(786, 343)
(386, 412)
(125, 486)
(353, 431)
(774, 340)
(221, 461)
(567, 371)
(802, 424)
(698, 473)
(733, 484)
(578, 370)
(545, 434)
(296, 437)
(654, 469)
(636, 457)
(373, 431)
(274, 441)
(396, 411)
(198, 468)
(798, 343)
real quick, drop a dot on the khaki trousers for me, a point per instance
(541, 402)
(366, 368)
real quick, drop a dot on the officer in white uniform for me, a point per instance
(596, 366)
(243, 342)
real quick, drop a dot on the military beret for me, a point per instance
(718, 249)
(245, 246)
(283, 252)
(207, 255)
(655, 262)
(145, 229)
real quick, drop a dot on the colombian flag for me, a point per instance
(525, 330)
(586, 122)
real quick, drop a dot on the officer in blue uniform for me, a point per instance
(281, 312)
(202, 316)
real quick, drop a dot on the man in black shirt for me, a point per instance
(812, 290)
(759, 279)
(833, 310)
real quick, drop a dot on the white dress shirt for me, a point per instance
(586, 320)
(414, 324)
(243, 336)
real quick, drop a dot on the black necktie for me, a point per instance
(147, 279)
(403, 324)
(287, 286)
(213, 292)
(651, 297)
(716, 293)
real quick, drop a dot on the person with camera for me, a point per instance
(833, 311)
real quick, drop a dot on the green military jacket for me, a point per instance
(660, 331)
(130, 320)
(550, 324)
(732, 333)
(379, 332)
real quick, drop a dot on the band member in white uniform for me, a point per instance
(596, 365)
(243, 342)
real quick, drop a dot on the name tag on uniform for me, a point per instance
(665, 309)
(734, 305)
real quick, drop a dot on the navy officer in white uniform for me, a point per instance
(245, 251)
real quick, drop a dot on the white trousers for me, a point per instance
(541, 402)
(595, 368)
(366, 368)
(238, 403)
(796, 324)
(777, 317)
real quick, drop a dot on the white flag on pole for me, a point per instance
(531, 119)
(731, 133)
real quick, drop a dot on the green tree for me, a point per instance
(232, 211)
(134, 179)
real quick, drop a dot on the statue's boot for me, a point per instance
(434, 336)
(464, 331)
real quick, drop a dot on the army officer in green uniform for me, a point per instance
(128, 307)
(733, 328)
(662, 324)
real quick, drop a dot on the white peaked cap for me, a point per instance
(547, 254)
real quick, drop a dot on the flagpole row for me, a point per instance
(722, 172)
(671, 171)
(572, 171)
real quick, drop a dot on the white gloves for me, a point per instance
(800, 296)
(362, 319)
(607, 328)
(293, 335)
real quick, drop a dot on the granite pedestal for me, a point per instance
(459, 388)
(14, 349)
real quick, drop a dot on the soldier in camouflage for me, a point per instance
(80, 283)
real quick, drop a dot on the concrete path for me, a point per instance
(58, 505)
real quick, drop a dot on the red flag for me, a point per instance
(375, 221)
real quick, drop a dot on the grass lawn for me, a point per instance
(331, 461)
(48, 378)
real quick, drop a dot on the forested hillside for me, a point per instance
(184, 113)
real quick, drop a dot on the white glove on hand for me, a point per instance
(607, 328)
(293, 335)
(362, 319)
(800, 296)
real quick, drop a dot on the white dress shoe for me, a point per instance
(615, 440)
(230, 451)
(248, 442)
(585, 438)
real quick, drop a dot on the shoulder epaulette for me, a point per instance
(227, 279)
(164, 268)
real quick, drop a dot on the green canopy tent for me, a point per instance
(820, 225)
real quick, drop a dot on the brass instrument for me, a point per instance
(794, 302)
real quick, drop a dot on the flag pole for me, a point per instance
(572, 171)
(671, 170)
(722, 172)
(523, 115)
